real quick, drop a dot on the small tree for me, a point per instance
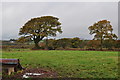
(102, 30)
(38, 28)
(75, 42)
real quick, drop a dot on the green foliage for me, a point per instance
(75, 64)
(23, 39)
(75, 42)
(38, 28)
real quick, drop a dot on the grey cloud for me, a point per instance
(75, 17)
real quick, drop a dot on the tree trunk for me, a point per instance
(46, 44)
(101, 44)
(36, 41)
(36, 44)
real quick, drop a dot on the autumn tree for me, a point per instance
(38, 28)
(102, 30)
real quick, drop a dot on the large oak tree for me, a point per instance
(102, 30)
(38, 28)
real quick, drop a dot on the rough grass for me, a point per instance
(76, 64)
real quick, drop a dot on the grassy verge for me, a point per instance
(77, 64)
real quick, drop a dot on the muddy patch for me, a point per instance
(33, 73)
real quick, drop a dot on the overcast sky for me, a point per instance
(75, 17)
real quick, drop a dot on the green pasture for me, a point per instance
(76, 64)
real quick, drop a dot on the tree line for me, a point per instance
(65, 44)
(38, 28)
(78, 44)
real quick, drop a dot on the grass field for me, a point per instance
(77, 64)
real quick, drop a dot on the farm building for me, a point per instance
(10, 65)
